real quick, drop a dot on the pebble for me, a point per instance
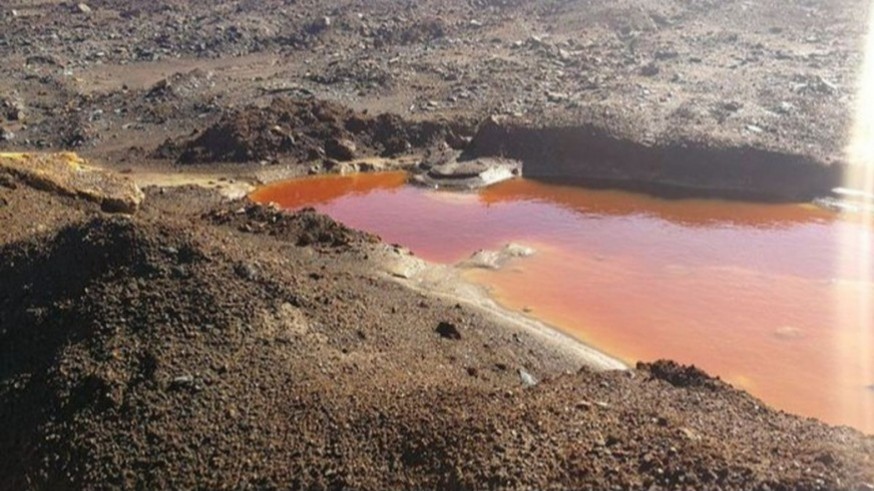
(246, 271)
(528, 380)
(448, 330)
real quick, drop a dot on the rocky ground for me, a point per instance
(206, 344)
(201, 343)
(127, 81)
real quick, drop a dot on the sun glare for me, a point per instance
(854, 290)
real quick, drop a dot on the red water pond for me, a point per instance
(766, 296)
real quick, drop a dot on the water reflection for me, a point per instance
(743, 290)
(314, 191)
(685, 212)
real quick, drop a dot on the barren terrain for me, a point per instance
(201, 342)
(599, 91)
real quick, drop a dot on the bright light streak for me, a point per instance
(854, 289)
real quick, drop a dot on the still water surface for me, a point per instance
(745, 291)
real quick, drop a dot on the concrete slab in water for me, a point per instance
(469, 174)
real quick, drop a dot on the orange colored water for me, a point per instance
(745, 291)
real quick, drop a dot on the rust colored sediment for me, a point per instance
(68, 174)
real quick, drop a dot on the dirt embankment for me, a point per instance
(207, 344)
(309, 130)
(590, 154)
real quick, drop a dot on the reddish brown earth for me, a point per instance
(204, 344)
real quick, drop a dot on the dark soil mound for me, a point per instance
(680, 375)
(81, 317)
(307, 129)
(110, 323)
(304, 228)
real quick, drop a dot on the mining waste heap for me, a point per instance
(175, 335)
